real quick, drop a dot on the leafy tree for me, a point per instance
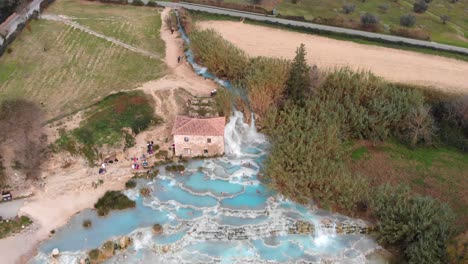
(407, 20)
(348, 8)
(220, 56)
(264, 82)
(369, 107)
(444, 18)
(369, 19)
(384, 7)
(420, 226)
(298, 83)
(306, 159)
(420, 7)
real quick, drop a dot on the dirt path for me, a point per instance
(392, 64)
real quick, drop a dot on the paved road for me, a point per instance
(69, 22)
(253, 16)
(10, 209)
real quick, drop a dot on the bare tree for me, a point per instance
(444, 18)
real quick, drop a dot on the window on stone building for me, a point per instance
(186, 139)
(205, 151)
(208, 140)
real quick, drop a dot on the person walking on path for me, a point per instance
(178, 59)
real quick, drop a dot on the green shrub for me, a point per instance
(420, 226)
(130, 184)
(306, 157)
(369, 107)
(369, 19)
(452, 121)
(224, 100)
(162, 154)
(264, 81)
(175, 168)
(138, 3)
(420, 7)
(145, 192)
(113, 200)
(13, 226)
(348, 8)
(407, 20)
(220, 56)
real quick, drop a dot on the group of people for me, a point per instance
(149, 147)
(214, 92)
(103, 168)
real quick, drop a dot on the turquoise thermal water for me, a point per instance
(216, 212)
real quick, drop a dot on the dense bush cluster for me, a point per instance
(175, 168)
(306, 159)
(407, 20)
(130, 184)
(420, 7)
(419, 226)
(264, 80)
(219, 55)
(451, 117)
(113, 200)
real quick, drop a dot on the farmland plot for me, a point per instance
(65, 69)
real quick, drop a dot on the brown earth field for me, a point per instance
(392, 64)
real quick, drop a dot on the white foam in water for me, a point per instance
(237, 133)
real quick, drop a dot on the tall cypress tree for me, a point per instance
(298, 82)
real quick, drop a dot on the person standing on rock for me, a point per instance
(178, 59)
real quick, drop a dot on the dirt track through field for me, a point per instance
(394, 65)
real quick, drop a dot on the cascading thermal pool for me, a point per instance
(217, 211)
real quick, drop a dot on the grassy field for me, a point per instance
(104, 123)
(455, 32)
(13, 226)
(137, 26)
(439, 172)
(66, 69)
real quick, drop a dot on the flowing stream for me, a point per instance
(216, 212)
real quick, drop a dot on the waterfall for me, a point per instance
(324, 233)
(237, 133)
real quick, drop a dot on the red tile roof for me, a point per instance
(199, 126)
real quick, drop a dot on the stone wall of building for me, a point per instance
(197, 145)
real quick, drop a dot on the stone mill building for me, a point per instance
(198, 136)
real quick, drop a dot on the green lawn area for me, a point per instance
(67, 69)
(13, 226)
(454, 33)
(441, 172)
(104, 123)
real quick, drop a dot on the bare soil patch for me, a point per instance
(392, 64)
